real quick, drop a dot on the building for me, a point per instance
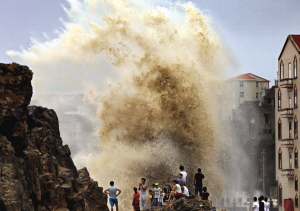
(245, 87)
(286, 127)
(253, 124)
(249, 122)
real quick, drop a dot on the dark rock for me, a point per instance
(36, 170)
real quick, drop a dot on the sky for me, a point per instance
(253, 31)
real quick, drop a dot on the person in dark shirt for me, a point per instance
(198, 183)
(205, 194)
(261, 204)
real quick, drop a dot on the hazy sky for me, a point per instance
(254, 31)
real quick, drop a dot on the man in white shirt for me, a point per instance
(255, 205)
(184, 175)
(267, 204)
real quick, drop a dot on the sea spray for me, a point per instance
(159, 108)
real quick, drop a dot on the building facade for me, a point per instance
(245, 87)
(286, 126)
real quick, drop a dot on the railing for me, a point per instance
(288, 172)
(286, 81)
(286, 111)
(287, 141)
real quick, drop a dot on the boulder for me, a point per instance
(37, 172)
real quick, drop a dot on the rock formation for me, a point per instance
(36, 170)
(187, 204)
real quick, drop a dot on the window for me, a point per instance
(229, 85)
(290, 160)
(295, 127)
(256, 95)
(256, 84)
(296, 200)
(229, 95)
(233, 106)
(270, 131)
(281, 71)
(252, 135)
(290, 70)
(252, 120)
(233, 84)
(267, 119)
(296, 183)
(290, 99)
(280, 195)
(279, 99)
(241, 83)
(241, 94)
(295, 97)
(296, 157)
(290, 129)
(279, 159)
(233, 95)
(265, 131)
(295, 67)
(279, 129)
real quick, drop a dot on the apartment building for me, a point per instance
(245, 87)
(286, 126)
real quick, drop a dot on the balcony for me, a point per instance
(289, 173)
(286, 112)
(287, 143)
(286, 83)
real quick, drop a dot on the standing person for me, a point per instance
(198, 183)
(184, 175)
(157, 192)
(255, 205)
(267, 204)
(136, 200)
(176, 191)
(271, 205)
(143, 187)
(248, 205)
(151, 198)
(261, 203)
(112, 192)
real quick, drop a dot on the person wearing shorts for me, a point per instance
(112, 192)
(176, 191)
(198, 183)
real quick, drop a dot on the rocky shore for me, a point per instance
(36, 170)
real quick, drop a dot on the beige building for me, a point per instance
(245, 87)
(286, 124)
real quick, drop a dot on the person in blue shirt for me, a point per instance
(112, 192)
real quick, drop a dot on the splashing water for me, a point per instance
(158, 109)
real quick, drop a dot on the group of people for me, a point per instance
(261, 205)
(160, 196)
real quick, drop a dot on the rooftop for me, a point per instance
(249, 76)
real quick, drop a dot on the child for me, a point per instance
(184, 175)
(164, 197)
(157, 192)
(205, 194)
(180, 181)
(136, 200)
(151, 198)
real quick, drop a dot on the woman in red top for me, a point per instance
(136, 200)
